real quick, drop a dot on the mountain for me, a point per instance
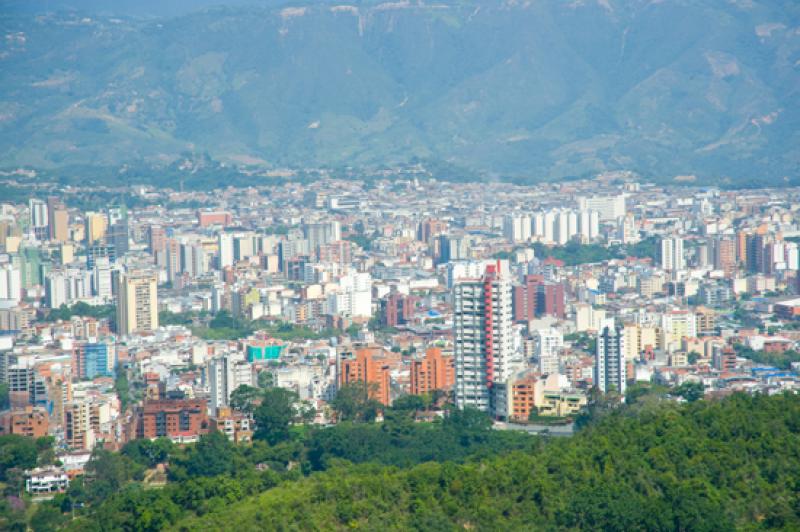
(527, 90)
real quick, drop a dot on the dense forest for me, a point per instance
(653, 464)
(715, 465)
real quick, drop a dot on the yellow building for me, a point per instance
(95, 227)
(67, 253)
(561, 403)
(638, 339)
(137, 310)
(60, 224)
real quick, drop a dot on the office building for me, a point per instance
(90, 360)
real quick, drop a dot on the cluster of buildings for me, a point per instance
(406, 286)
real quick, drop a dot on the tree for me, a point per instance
(244, 398)
(265, 379)
(16, 452)
(410, 403)
(353, 403)
(274, 415)
(47, 517)
(107, 472)
(691, 391)
(122, 387)
(149, 453)
(213, 454)
(469, 419)
(4, 402)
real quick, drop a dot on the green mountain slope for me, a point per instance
(707, 466)
(533, 90)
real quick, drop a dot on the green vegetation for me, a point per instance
(165, 317)
(84, 310)
(4, 398)
(574, 253)
(123, 389)
(352, 403)
(779, 360)
(223, 326)
(701, 466)
(214, 473)
(651, 464)
(362, 241)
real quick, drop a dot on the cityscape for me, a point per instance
(399, 265)
(150, 322)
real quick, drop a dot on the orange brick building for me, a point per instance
(204, 219)
(32, 422)
(523, 398)
(434, 372)
(369, 366)
(176, 419)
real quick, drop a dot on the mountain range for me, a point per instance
(530, 90)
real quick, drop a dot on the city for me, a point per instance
(121, 324)
(399, 265)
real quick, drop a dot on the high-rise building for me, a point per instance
(225, 250)
(627, 231)
(10, 283)
(156, 239)
(397, 309)
(536, 297)
(434, 372)
(319, 234)
(90, 360)
(137, 309)
(366, 366)
(101, 278)
(38, 219)
(725, 255)
(609, 364)
(483, 337)
(57, 219)
(609, 208)
(118, 236)
(672, 257)
(452, 248)
(225, 374)
(95, 227)
(547, 343)
(193, 259)
(429, 228)
(517, 227)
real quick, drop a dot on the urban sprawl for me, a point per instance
(525, 302)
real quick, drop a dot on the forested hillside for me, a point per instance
(706, 466)
(651, 465)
